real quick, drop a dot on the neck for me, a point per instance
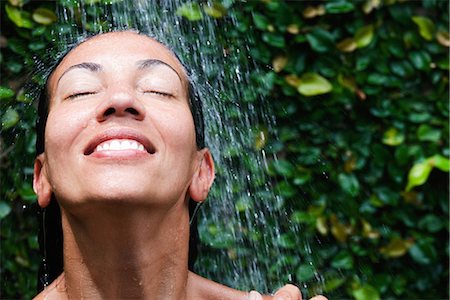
(126, 252)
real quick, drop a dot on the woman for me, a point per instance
(123, 160)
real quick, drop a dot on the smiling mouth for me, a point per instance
(109, 144)
(120, 144)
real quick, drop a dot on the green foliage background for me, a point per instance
(360, 93)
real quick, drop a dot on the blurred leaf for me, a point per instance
(261, 139)
(333, 283)
(190, 11)
(274, 39)
(279, 62)
(321, 225)
(20, 17)
(364, 36)
(366, 292)
(44, 16)
(6, 93)
(338, 7)
(5, 209)
(428, 133)
(320, 40)
(418, 174)
(339, 230)
(443, 38)
(302, 217)
(347, 45)
(10, 118)
(369, 5)
(293, 29)
(305, 272)
(431, 223)
(397, 247)
(440, 162)
(312, 84)
(426, 27)
(216, 10)
(286, 240)
(261, 21)
(292, 80)
(342, 261)
(283, 167)
(393, 137)
(420, 59)
(313, 11)
(423, 252)
(349, 183)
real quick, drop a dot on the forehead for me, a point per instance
(109, 49)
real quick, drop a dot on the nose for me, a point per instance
(120, 104)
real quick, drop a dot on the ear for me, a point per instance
(41, 185)
(203, 176)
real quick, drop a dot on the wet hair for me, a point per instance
(50, 234)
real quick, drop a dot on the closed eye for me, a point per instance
(81, 94)
(159, 93)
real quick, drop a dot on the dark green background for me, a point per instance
(360, 94)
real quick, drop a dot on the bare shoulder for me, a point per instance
(205, 289)
(55, 291)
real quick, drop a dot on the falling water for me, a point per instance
(238, 224)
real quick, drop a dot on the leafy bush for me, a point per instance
(360, 94)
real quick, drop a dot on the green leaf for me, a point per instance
(312, 84)
(366, 292)
(428, 133)
(349, 184)
(216, 10)
(305, 272)
(342, 261)
(423, 251)
(420, 59)
(431, 223)
(440, 162)
(426, 27)
(286, 240)
(393, 137)
(261, 21)
(303, 217)
(19, 17)
(190, 11)
(6, 93)
(44, 16)
(338, 7)
(320, 40)
(10, 118)
(284, 168)
(274, 39)
(364, 36)
(333, 283)
(5, 209)
(418, 174)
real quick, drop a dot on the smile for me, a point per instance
(119, 141)
(120, 144)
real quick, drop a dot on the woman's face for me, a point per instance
(119, 124)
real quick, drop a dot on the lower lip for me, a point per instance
(120, 154)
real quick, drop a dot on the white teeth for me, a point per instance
(120, 145)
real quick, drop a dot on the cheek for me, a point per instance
(177, 128)
(63, 127)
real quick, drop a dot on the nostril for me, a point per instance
(109, 111)
(132, 111)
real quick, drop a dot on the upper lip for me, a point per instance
(119, 133)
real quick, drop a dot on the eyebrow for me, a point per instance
(93, 67)
(141, 65)
(150, 63)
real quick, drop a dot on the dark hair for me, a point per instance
(50, 234)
